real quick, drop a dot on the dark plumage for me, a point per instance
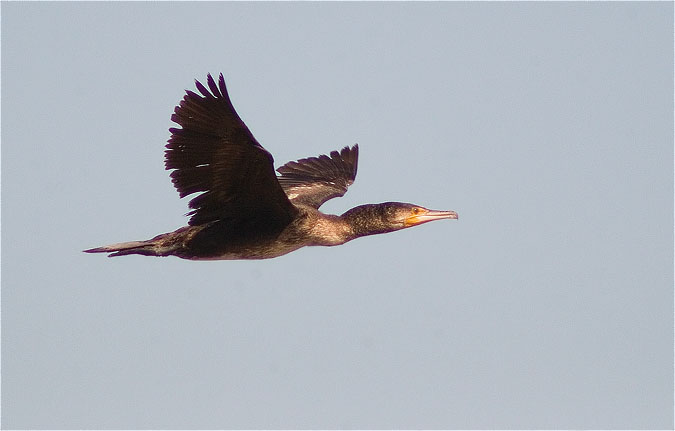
(243, 209)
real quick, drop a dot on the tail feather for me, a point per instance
(146, 248)
(165, 244)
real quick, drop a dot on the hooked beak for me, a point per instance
(430, 215)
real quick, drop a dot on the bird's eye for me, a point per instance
(415, 210)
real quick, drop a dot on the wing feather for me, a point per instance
(314, 180)
(213, 152)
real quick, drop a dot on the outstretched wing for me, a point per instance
(315, 180)
(214, 153)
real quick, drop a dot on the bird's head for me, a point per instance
(390, 216)
(407, 215)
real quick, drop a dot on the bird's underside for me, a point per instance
(243, 209)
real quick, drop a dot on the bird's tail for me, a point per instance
(146, 248)
(165, 244)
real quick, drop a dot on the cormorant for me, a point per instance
(244, 210)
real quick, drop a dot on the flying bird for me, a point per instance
(244, 210)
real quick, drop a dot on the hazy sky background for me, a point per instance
(548, 304)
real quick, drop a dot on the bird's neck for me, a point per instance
(366, 220)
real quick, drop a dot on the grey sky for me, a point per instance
(549, 304)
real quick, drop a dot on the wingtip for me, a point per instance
(201, 88)
(212, 85)
(352, 154)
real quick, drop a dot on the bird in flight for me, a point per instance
(246, 211)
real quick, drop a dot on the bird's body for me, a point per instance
(246, 211)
